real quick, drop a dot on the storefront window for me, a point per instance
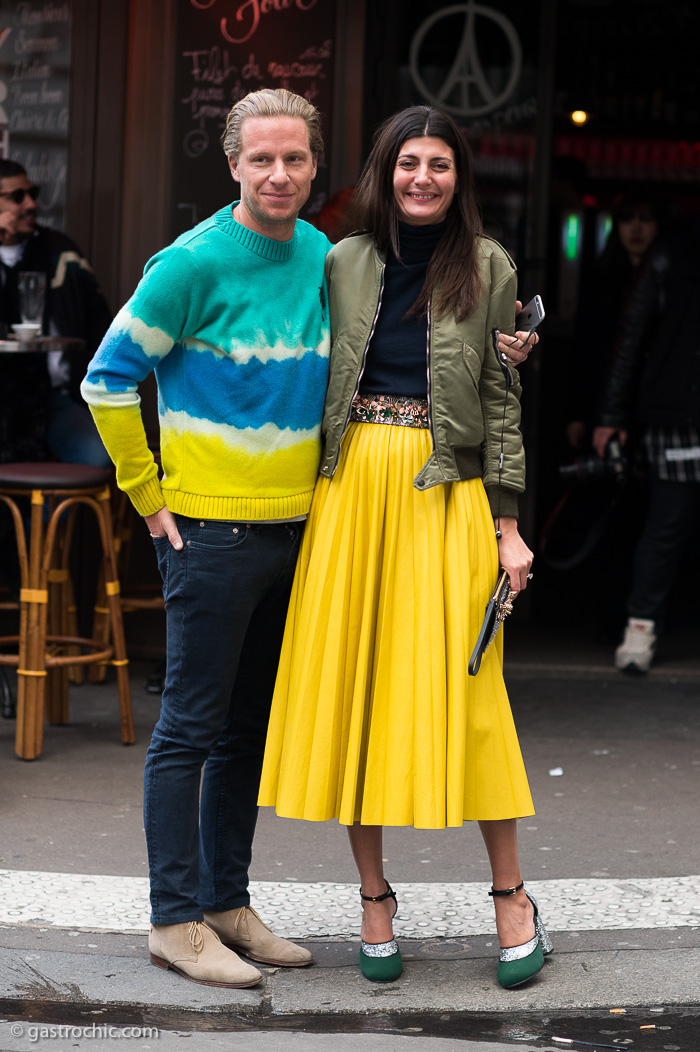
(35, 50)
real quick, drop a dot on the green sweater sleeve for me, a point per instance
(142, 334)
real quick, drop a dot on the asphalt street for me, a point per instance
(624, 805)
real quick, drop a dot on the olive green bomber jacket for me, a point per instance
(466, 387)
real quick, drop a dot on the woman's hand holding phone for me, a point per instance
(515, 349)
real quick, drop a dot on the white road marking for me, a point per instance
(296, 909)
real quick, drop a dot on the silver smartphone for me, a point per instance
(530, 316)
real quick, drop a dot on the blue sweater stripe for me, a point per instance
(288, 393)
(119, 361)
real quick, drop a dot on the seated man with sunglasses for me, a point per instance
(40, 405)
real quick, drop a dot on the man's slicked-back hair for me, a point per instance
(10, 169)
(271, 102)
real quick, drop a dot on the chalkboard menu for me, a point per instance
(34, 96)
(226, 48)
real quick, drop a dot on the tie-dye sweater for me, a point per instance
(236, 327)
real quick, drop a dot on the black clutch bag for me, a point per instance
(498, 607)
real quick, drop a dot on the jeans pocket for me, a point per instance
(212, 536)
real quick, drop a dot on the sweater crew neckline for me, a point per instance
(266, 247)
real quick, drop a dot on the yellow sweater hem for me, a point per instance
(239, 509)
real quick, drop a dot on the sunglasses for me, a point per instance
(17, 196)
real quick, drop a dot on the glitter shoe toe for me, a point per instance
(517, 964)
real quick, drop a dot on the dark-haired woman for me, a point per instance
(375, 720)
(636, 221)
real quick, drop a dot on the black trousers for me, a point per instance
(672, 517)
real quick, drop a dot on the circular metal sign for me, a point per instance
(466, 77)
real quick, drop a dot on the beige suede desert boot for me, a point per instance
(195, 951)
(243, 929)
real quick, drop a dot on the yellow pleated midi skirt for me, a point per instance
(375, 718)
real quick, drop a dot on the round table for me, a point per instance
(14, 345)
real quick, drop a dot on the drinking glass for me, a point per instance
(31, 285)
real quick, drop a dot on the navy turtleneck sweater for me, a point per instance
(397, 361)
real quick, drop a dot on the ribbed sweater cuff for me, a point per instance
(148, 498)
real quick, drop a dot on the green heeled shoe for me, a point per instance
(380, 962)
(517, 964)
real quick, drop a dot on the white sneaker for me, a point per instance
(636, 651)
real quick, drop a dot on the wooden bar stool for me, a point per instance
(43, 658)
(133, 596)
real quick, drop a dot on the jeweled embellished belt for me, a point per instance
(390, 409)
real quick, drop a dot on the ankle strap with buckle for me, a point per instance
(388, 894)
(505, 891)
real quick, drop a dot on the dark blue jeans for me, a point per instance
(226, 596)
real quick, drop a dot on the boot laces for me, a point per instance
(240, 917)
(196, 938)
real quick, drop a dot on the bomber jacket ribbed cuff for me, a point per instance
(508, 506)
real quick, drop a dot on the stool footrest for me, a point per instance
(100, 652)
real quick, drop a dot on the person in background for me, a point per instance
(611, 502)
(375, 720)
(636, 221)
(42, 412)
(658, 392)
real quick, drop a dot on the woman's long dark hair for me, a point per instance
(452, 283)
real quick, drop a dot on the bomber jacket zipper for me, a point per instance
(430, 403)
(362, 368)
